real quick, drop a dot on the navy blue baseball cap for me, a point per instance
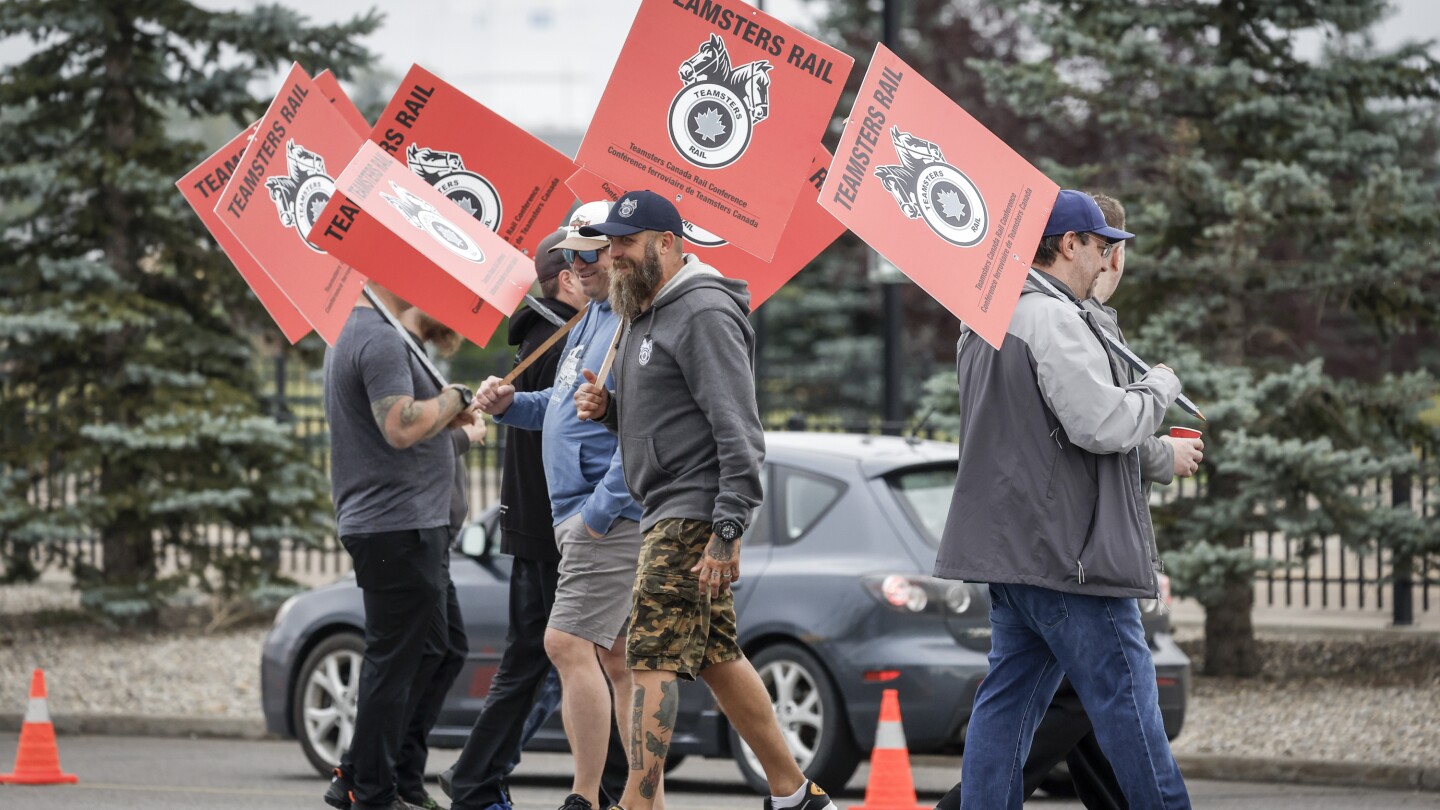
(639, 211)
(1077, 211)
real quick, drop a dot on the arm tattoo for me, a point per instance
(720, 550)
(412, 413)
(651, 782)
(637, 725)
(381, 407)
(409, 414)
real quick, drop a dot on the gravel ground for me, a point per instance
(1340, 698)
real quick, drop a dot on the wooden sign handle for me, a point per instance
(543, 347)
(604, 372)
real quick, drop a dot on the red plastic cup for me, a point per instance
(1184, 433)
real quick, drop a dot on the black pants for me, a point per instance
(1065, 733)
(478, 779)
(403, 579)
(446, 664)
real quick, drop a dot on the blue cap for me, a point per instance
(635, 212)
(1077, 211)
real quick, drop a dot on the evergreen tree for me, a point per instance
(127, 343)
(1286, 268)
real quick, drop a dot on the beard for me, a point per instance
(445, 340)
(632, 285)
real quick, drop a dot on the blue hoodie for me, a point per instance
(582, 459)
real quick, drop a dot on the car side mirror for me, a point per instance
(475, 541)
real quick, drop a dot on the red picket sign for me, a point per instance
(718, 106)
(506, 178)
(327, 84)
(939, 195)
(201, 186)
(277, 192)
(448, 264)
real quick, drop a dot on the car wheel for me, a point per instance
(812, 720)
(323, 705)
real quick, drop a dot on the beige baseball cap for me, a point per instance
(587, 214)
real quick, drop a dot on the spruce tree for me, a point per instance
(1280, 171)
(128, 343)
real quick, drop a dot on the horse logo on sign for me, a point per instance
(303, 192)
(924, 185)
(424, 216)
(713, 116)
(447, 173)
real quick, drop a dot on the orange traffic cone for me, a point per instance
(891, 785)
(37, 762)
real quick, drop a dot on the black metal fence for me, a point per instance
(1326, 575)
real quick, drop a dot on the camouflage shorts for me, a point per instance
(673, 626)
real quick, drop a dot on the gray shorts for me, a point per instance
(596, 579)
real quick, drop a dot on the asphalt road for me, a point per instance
(169, 774)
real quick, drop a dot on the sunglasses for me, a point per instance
(587, 256)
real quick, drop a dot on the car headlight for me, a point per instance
(284, 610)
(909, 593)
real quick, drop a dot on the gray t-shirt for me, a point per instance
(377, 488)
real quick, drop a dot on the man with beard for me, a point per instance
(691, 448)
(596, 523)
(391, 478)
(1049, 429)
(477, 779)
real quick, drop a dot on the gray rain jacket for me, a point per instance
(1048, 491)
(684, 401)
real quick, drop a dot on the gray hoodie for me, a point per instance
(1048, 492)
(684, 401)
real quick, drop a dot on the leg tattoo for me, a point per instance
(669, 704)
(651, 782)
(637, 726)
(654, 746)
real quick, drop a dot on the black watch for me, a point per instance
(729, 529)
(466, 395)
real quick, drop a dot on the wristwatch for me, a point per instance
(728, 529)
(466, 395)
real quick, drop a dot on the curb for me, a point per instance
(1193, 766)
(1310, 772)
(141, 725)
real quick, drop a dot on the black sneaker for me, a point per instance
(814, 799)
(424, 801)
(338, 794)
(445, 777)
(576, 802)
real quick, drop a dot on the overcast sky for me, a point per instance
(544, 63)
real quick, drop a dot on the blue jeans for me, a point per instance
(1038, 637)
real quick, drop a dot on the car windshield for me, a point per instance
(924, 493)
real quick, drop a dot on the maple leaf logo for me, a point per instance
(708, 125)
(466, 205)
(952, 206)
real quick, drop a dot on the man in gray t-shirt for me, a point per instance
(391, 467)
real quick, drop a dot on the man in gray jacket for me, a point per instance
(691, 448)
(1047, 510)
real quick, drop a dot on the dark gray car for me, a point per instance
(835, 604)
